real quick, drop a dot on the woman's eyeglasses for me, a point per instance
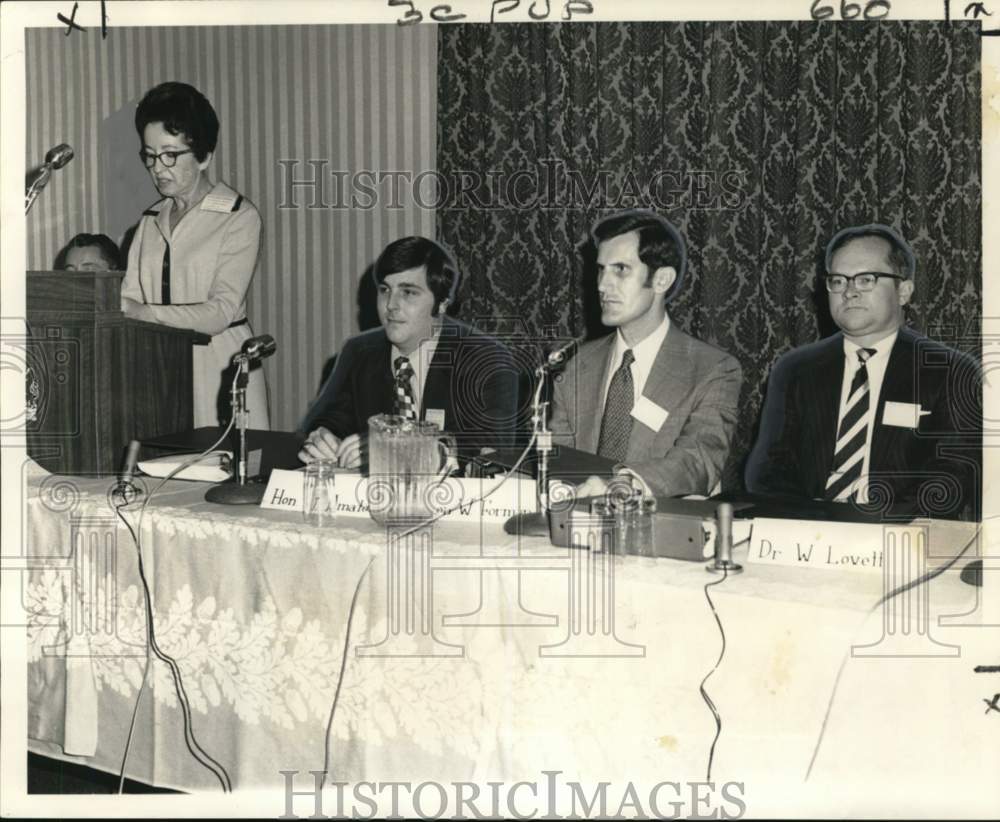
(167, 158)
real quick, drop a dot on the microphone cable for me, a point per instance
(194, 748)
(701, 688)
(722, 652)
(927, 577)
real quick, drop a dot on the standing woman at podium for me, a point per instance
(195, 251)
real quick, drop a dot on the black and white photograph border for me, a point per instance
(782, 691)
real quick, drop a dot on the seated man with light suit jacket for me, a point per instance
(875, 413)
(656, 401)
(419, 364)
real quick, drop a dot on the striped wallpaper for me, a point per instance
(360, 97)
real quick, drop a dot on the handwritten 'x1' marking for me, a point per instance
(71, 22)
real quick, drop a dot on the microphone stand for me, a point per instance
(536, 524)
(37, 184)
(237, 490)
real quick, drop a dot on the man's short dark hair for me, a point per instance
(109, 251)
(660, 244)
(901, 258)
(413, 252)
(185, 112)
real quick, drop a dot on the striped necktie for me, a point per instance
(404, 390)
(852, 436)
(616, 426)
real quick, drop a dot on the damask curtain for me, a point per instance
(757, 140)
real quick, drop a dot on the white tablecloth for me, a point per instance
(502, 682)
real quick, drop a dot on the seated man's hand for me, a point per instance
(592, 487)
(319, 445)
(351, 451)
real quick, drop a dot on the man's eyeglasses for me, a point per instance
(167, 158)
(865, 281)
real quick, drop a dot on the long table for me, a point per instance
(469, 656)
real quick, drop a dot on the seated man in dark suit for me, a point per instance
(876, 413)
(656, 401)
(419, 364)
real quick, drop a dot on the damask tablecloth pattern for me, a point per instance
(459, 666)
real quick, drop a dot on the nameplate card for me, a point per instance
(459, 497)
(285, 490)
(830, 546)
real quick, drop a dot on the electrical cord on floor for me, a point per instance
(195, 749)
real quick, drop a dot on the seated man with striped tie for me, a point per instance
(876, 413)
(656, 401)
(419, 364)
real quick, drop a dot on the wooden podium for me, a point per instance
(98, 379)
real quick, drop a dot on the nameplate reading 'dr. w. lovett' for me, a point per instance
(830, 546)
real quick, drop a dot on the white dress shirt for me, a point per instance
(876, 365)
(644, 351)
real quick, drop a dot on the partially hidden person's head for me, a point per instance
(416, 280)
(641, 261)
(89, 252)
(178, 131)
(869, 279)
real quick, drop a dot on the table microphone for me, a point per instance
(126, 487)
(723, 561)
(558, 357)
(257, 348)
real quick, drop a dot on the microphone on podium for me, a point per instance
(58, 156)
(38, 178)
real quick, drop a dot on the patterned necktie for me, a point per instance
(617, 423)
(404, 391)
(852, 436)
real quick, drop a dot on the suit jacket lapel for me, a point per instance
(380, 393)
(591, 375)
(897, 385)
(437, 386)
(666, 381)
(824, 384)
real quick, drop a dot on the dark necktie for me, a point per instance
(616, 426)
(852, 435)
(405, 407)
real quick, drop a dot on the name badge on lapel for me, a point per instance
(903, 414)
(436, 416)
(650, 414)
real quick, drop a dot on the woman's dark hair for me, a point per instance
(184, 111)
(108, 250)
